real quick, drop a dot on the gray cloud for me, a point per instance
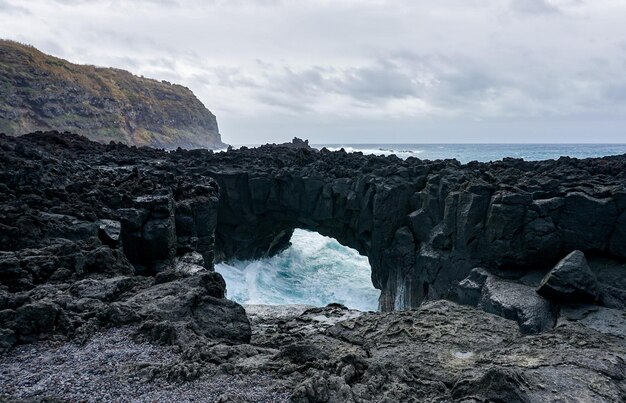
(352, 65)
(533, 7)
(383, 80)
(7, 7)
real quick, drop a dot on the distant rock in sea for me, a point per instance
(42, 92)
(295, 143)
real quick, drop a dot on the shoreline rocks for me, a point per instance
(96, 237)
(439, 352)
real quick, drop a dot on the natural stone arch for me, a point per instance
(423, 225)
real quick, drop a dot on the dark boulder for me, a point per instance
(7, 339)
(40, 318)
(191, 308)
(509, 299)
(570, 281)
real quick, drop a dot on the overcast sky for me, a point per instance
(370, 71)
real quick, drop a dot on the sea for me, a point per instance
(317, 270)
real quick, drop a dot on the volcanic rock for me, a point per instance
(571, 280)
(509, 299)
(424, 226)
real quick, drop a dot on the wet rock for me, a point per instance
(571, 280)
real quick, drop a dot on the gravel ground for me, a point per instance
(99, 372)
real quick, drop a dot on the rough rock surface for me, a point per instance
(86, 245)
(509, 299)
(42, 92)
(441, 352)
(424, 225)
(99, 236)
(571, 280)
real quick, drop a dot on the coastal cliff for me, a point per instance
(42, 92)
(98, 237)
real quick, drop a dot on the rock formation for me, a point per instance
(42, 92)
(571, 280)
(95, 236)
(88, 244)
(424, 225)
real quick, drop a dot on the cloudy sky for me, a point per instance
(368, 71)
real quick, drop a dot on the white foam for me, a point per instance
(315, 270)
(400, 153)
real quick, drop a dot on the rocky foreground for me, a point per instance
(107, 288)
(440, 352)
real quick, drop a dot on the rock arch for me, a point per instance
(423, 225)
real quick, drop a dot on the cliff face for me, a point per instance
(42, 92)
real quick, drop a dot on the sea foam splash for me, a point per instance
(315, 270)
(403, 153)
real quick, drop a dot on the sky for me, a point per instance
(369, 71)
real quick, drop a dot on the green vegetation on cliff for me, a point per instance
(42, 92)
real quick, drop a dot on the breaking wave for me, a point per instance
(315, 270)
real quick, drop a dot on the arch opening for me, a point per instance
(314, 270)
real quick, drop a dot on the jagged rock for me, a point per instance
(296, 143)
(509, 299)
(439, 352)
(109, 232)
(611, 276)
(36, 318)
(424, 225)
(191, 307)
(571, 280)
(446, 352)
(104, 260)
(497, 384)
(67, 227)
(196, 219)
(504, 215)
(83, 254)
(189, 264)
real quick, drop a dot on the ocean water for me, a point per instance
(483, 152)
(317, 270)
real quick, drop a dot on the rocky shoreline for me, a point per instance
(440, 352)
(503, 281)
